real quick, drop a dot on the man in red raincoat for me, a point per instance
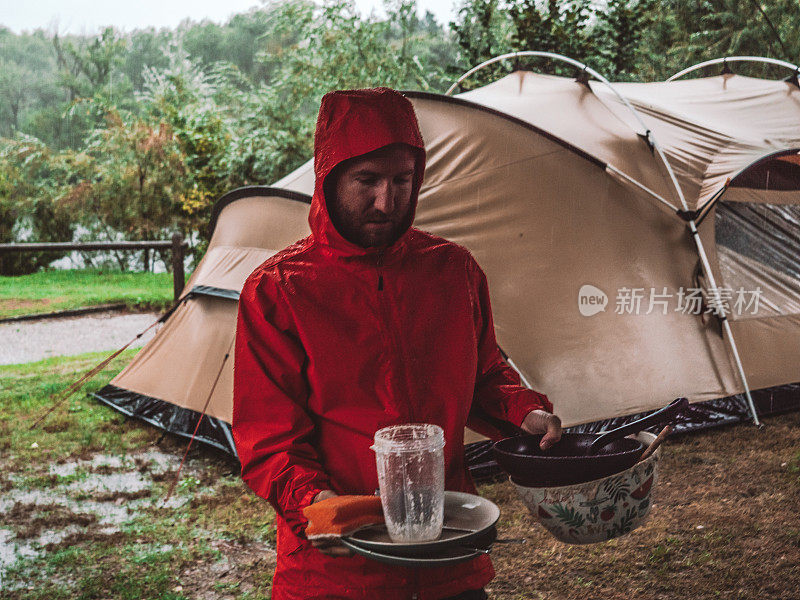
(366, 323)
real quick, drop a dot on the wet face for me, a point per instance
(371, 200)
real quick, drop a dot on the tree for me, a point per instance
(482, 31)
(145, 49)
(33, 184)
(13, 94)
(27, 79)
(562, 29)
(618, 34)
(138, 176)
(184, 97)
(87, 64)
(718, 28)
(86, 70)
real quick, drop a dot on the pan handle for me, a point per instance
(668, 413)
(491, 427)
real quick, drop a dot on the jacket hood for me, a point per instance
(352, 123)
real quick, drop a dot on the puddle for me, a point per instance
(125, 482)
(13, 549)
(114, 489)
(152, 461)
(107, 461)
(108, 513)
(159, 461)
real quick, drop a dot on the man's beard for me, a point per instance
(369, 237)
(357, 231)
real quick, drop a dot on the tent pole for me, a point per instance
(727, 59)
(709, 274)
(723, 317)
(700, 250)
(639, 185)
(522, 377)
(650, 138)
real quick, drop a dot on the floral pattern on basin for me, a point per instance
(597, 510)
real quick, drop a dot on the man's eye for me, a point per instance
(402, 180)
(366, 180)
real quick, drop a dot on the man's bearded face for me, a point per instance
(372, 198)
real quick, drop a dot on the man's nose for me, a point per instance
(384, 197)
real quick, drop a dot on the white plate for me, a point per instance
(467, 517)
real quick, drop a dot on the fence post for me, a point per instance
(177, 264)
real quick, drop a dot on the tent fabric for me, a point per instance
(182, 361)
(519, 173)
(710, 129)
(172, 419)
(713, 128)
(274, 218)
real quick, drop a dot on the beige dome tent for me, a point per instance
(559, 189)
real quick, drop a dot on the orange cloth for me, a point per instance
(342, 515)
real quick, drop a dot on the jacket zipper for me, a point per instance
(379, 265)
(392, 337)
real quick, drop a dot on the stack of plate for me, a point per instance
(468, 531)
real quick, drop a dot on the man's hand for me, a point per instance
(330, 547)
(541, 421)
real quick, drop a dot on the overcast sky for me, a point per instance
(89, 16)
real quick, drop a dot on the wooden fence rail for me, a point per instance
(176, 244)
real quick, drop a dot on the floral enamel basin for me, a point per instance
(597, 510)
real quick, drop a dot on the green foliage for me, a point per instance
(619, 33)
(27, 80)
(716, 28)
(135, 135)
(337, 49)
(607, 39)
(482, 31)
(562, 28)
(34, 185)
(138, 177)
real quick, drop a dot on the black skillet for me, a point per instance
(577, 457)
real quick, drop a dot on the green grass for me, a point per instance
(161, 552)
(53, 290)
(740, 483)
(81, 425)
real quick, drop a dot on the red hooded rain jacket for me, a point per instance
(335, 341)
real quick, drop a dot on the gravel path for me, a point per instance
(34, 340)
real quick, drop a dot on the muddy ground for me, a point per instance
(83, 514)
(220, 534)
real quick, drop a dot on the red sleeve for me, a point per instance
(498, 389)
(271, 427)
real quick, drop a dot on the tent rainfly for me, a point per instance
(600, 297)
